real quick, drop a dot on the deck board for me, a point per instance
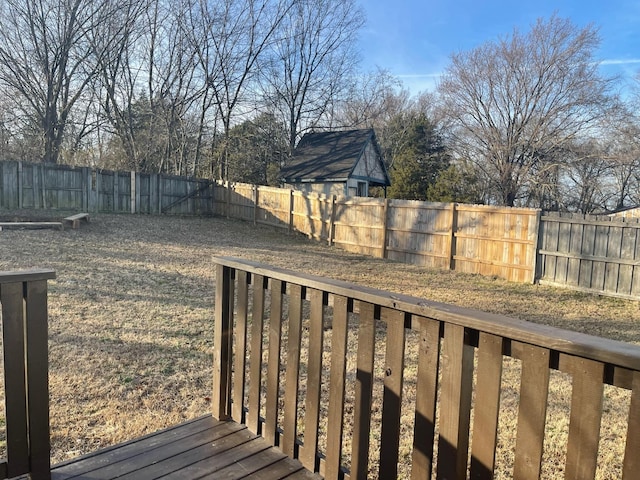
(201, 448)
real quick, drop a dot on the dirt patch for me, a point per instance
(131, 312)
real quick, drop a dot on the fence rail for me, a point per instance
(587, 253)
(289, 346)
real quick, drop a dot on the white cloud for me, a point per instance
(620, 61)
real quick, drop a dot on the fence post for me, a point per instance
(228, 192)
(537, 243)
(255, 204)
(385, 212)
(43, 186)
(19, 184)
(133, 192)
(332, 224)
(37, 363)
(452, 236)
(290, 210)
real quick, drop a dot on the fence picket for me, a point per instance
(364, 391)
(392, 395)
(292, 369)
(631, 457)
(427, 385)
(455, 403)
(240, 356)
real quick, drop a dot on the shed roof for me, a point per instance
(329, 156)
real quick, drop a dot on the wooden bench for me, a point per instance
(75, 220)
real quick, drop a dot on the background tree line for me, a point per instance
(226, 88)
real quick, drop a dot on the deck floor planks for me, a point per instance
(127, 450)
(201, 448)
(185, 459)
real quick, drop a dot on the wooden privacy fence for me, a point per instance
(60, 187)
(23, 301)
(597, 254)
(348, 379)
(485, 240)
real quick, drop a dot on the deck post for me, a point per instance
(37, 364)
(221, 398)
(23, 300)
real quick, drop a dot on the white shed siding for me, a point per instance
(368, 166)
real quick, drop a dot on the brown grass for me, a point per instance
(131, 315)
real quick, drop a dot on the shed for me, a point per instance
(346, 162)
(627, 212)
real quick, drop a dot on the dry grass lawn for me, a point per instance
(131, 315)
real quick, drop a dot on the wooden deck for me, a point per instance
(202, 448)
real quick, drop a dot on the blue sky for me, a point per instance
(414, 38)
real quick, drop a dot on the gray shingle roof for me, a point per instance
(326, 156)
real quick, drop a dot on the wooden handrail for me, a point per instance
(272, 310)
(574, 343)
(23, 299)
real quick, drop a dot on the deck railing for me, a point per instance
(23, 298)
(360, 383)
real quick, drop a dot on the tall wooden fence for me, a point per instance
(60, 187)
(588, 253)
(597, 254)
(468, 238)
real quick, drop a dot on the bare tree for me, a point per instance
(46, 60)
(586, 183)
(230, 38)
(515, 102)
(311, 62)
(120, 77)
(149, 87)
(624, 157)
(371, 100)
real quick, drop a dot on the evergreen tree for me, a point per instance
(458, 183)
(419, 156)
